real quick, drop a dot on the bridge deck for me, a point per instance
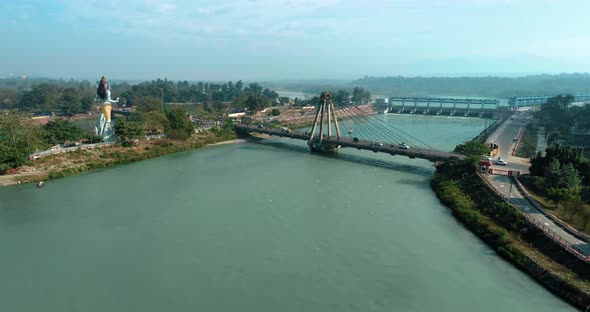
(389, 148)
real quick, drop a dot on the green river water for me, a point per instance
(261, 226)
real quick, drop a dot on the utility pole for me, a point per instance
(162, 99)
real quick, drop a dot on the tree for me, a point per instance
(86, 103)
(148, 103)
(569, 177)
(11, 157)
(179, 126)
(271, 94)
(472, 148)
(553, 174)
(17, 140)
(276, 112)
(127, 132)
(253, 88)
(256, 102)
(155, 122)
(341, 98)
(60, 130)
(564, 195)
(537, 167)
(558, 177)
(554, 114)
(8, 97)
(360, 95)
(70, 102)
(43, 96)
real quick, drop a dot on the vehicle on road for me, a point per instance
(404, 146)
(355, 139)
(486, 158)
(377, 143)
(260, 126)
(501, 162)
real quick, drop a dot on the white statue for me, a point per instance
(103, 126)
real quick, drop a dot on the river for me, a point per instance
(261, 226)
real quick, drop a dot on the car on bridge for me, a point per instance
(377, 143)
(403, 146)
(501, 162)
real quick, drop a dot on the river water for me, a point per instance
(262, 226)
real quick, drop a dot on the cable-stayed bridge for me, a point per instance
(327, 126)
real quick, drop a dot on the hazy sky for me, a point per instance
(290, 39)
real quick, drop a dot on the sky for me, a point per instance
(290, 39)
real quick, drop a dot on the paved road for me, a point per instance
(503, 185)
(504, 136)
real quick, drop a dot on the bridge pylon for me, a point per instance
(325, 116)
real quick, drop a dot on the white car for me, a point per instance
(377, 144)
(501, 162)
(404, 146)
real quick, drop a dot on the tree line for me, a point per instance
(72, 97)
(497, 87)
(559, 114)
(342, 97)
(563, 175)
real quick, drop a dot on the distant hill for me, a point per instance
(497, 87)
(491, 86)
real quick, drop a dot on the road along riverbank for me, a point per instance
(510, 234)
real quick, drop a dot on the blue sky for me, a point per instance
(289, 39)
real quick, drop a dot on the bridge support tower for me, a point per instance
(325, 117)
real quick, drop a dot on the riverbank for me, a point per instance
(502, 227)
(80, 160)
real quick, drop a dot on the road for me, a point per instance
(504, 137)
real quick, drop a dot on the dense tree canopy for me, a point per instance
(558, 156)
(60, 130)
(555, 113)
(127, 131)
(472, 148)
(17, 140)
(72, 97)
(360, 96)
(341, 97)
(179, 126)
